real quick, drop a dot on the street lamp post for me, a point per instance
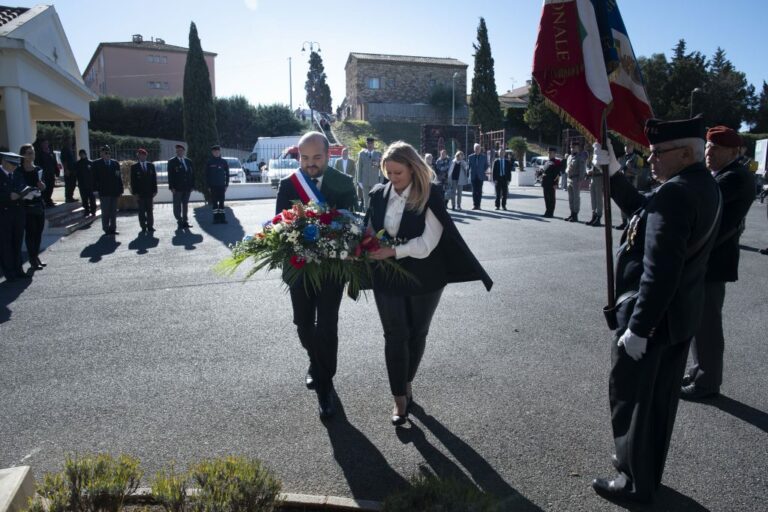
(694, 91)
(311, 45)
(290, 85)
(453, 109)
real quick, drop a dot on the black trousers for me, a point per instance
(11, 237)
(88, 199)
(502, 191)
(70, 182)
(644, 396)
(549, 197)
(217, 198)
(477, 192)
(181, 204)
(316, 316)
(708, 346)
(406, 320)
(146, 216)
(33, 234)
(50, 182)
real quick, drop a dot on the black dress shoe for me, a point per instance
(615, 462)
(326, 404)
(764, 251)
(616, 490)
(691, 392)
(40, 263)
(309, 380)
(622, 226)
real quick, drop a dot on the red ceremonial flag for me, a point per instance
(569, 67)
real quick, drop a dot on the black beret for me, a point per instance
(215, 147)
(659, 131)
(106, 149)
(370, 139)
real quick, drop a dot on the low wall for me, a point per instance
(236, 191)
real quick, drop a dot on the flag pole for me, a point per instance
(610, 278)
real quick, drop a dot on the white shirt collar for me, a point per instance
(393, 193)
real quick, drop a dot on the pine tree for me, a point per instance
(728, 99)
(760, 121)
(318, 92)
(485, 107)
(199, 112)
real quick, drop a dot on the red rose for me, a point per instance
(326, 218)
(288, 216)
(310, 214)
(370, 243)
(298, 262)
(277, 219)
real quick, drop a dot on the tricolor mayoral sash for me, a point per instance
(307, 190)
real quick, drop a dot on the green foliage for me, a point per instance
(318, 92)
(123, 147)
(99, 483)
(430, 494)
(540, 117)
(760, 114)
(484, 100)
(442, 97)
(199, 113)
(169, 489)
(519, 146)
(234, 484)
(55, 491)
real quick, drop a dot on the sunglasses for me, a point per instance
(658, 152)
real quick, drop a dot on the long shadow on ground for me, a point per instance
(106, 244)
(228, 233)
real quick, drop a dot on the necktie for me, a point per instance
(501, 166)
(182, 164)
(315, 180)
(143, 167)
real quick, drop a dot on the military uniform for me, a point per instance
(144, 187)
(368, 172)
(12, 217)
(217, 177)
(181, 181)
(550, 174)
(576, 170)
(660, 268)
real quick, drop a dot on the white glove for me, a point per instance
(603, 157)
(633, 344)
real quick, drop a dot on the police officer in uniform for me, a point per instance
(12, 188)
(217, 177)
(660, 269)
(181, 181)
(549, 176)
(144, 187)
(705, 374)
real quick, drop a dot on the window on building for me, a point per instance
(374, 83)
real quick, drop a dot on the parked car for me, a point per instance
(161, 169)
(280, 168)
(236, 172)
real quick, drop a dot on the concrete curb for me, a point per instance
(16, 486)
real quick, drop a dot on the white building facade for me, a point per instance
(39, 77)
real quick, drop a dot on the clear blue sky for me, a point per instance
(254, 38)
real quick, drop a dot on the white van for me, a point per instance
(266, 149)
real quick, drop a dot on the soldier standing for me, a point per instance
(109, 185)
(217, 177)
(11, 217)
(576, 170)
(144, 187)
(368, 171)
(595, 195)
(549, 177)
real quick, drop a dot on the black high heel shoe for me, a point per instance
(400, 419)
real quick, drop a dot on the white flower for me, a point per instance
(332, 254)
(354, 229)
(277, 227)
(343, 255)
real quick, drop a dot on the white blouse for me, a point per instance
(421, 246)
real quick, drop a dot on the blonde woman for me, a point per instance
(412, 209)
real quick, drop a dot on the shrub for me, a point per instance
(431, 494)
(234, 484)
(169, 489)
(100, 483)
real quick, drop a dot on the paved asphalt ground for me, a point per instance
(135, 345)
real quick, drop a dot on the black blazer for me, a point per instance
(737, 185)
(450, 262)
(337, 188)
(107, 179)
(655, 263)
(509, 166)
(180, 180)
(143, 183)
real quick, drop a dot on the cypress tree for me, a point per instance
(199, 112)
(485, 107)
(318, 92)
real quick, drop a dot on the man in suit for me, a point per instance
(478, 164)
(181, 181)
(660, 269)
(144, 187)
(737, 185)
(345, 164)
(368, 169)
(84, 171)
(316, 313)
(109, 184)
(70, 177)
(12, 217)
(46, 160)
(217, 177)
(502, 173)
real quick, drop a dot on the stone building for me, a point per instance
(402, 88)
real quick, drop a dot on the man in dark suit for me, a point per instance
(46, 160)
(217, 177)
(11, 216)
(316, 313)
(502, 173)
(549, 175)
(181, 181)
(109, 184)
(144, 187)
(737, 185)
(84, 172)
(660, 271)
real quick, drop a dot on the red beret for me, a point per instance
(724, 136)
(142, 151)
